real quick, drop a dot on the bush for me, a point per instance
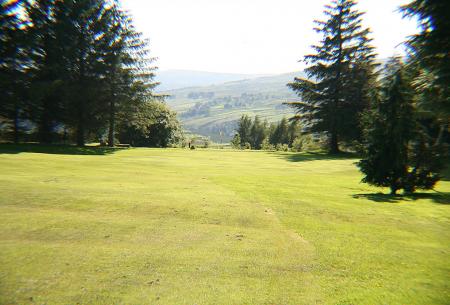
(192, 146)
(265, 145)
(236, 142)
(247, 146)
(297, 144)
(282, 147)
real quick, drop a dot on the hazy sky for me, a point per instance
(251, 36)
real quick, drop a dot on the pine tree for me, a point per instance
(12, 61)
(398, 153)
(46, 67)
(244, 129)
(257, 133)
(129, 67)
(280, 134)
(430, 59)
(339, 75)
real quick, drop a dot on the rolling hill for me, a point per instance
(214, 110)
(176, 79)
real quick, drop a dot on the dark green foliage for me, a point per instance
(260, 135)
(236, 141)
(257, 133)
(398, 153)
(12, 59)
(430, 60)
(75, 65)
(339, 76)
(153, 125)
(244, 129)
(280, 134)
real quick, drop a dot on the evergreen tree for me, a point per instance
(244, 129)
(128, 66)
(257, 133)
(280, 134)
(339, 75)
(397, 153)
(294, 131)
(45, 69)
(12, 61)
(430, 60)
(236, 141)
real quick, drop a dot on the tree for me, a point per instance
(236, 141)
(280, 134)
(46, 67)
(12, 60)
(257, 133)
(397, 153)
(128, 65)
(154, 125)
(294, 131)
(339, 75)
(430, 59)
(244, 129)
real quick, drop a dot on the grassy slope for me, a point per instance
(152, 226)
(274, 86)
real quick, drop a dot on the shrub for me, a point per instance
(282, 147)
(247, 146)
(297, 144)
(265, 145)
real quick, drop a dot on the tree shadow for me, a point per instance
(56, 149)
(436, 197)
(313, 156)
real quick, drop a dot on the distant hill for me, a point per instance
(214, 110)
(175, 79)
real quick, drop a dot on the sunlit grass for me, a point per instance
(154, 226)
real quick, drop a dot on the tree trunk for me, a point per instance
(80, 127)
(334, 144)
(111, 123)
(16, 123)
(45, 125)
(80, 135)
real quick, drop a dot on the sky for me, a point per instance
(251, 36)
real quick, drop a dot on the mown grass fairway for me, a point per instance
(172, 226)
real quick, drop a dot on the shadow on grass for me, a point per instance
(313, 156)
(56, 149)
(436, 197)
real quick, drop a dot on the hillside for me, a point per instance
(176, 79)
(214, 110)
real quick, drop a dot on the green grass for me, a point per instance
(155, 226)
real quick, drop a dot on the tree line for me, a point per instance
(396, 114)
(77, 70)
(283, 135)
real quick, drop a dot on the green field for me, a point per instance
(173, 226)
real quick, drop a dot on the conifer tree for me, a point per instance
(257, 133)
(244, 129)
(129, 68)
(430, 60)
(339, 75)
(12, 60)
(398, 153)
(45, 67)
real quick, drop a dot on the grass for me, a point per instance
(155, 226)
